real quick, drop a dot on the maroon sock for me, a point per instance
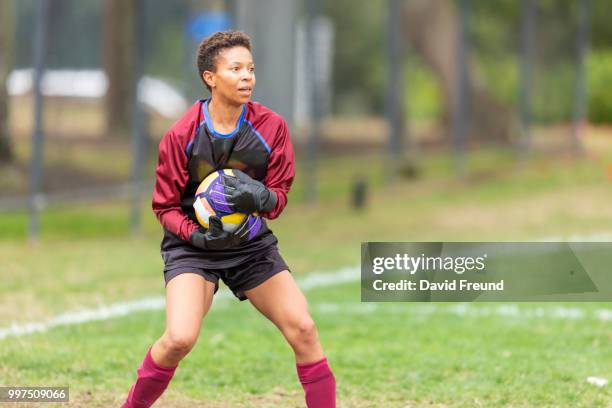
(319, 384)
(151, 382)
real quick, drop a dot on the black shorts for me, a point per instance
(256, 270)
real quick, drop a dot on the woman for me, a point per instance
(227, 131)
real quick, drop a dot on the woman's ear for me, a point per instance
(209, 78)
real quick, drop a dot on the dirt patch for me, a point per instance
(561, 205)
(61, 180)
(68, 165)
(277, 398)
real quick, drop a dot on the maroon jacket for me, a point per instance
(260, 146)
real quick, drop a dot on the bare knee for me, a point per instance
(302, 333)
(178, 344)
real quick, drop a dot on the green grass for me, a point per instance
(389, 357)
(395, 356)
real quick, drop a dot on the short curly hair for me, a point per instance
(209, 49)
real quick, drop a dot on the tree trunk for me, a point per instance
(431, 28)
(7, 33)
(119, 54)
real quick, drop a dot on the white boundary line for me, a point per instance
(106, 312)
(467, 309)
(315, 280)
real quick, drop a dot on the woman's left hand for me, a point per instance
(246, 195)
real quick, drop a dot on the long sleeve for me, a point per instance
(281, 169)
(171, 178)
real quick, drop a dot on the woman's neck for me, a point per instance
(223, 116)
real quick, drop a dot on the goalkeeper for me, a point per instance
(227, 131)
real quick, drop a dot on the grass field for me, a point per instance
(384, 355)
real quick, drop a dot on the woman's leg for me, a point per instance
(188, 299)
(283, 303)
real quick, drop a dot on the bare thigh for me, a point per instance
(188, 299)
(283, 303)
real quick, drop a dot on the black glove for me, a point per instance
(247, 195)
(216, 238)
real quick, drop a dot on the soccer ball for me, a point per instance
(210, 201)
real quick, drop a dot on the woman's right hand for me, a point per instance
(216, 238)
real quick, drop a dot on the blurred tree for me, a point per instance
(601, 28)
(358, 75)
(7, 29)
(431, 28)
(165, 40)
(118, 55)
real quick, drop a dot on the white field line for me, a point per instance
(106, 312)
(314, 280)
(467, 310)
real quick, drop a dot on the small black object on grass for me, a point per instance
(359, 193)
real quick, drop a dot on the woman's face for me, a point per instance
(234, 79)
